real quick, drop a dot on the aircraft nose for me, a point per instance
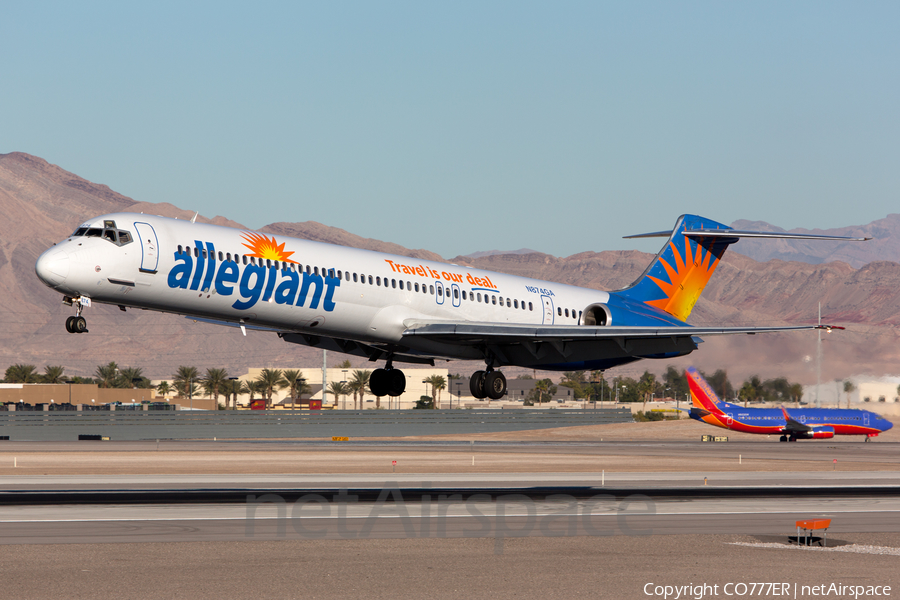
(52, 267)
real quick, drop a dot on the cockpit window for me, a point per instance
(116, 236)
(109, 224)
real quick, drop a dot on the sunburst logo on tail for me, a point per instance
(687, 278)
(262, 246)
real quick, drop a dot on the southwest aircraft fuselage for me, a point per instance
(391, 307)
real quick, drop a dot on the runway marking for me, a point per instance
(413, 516)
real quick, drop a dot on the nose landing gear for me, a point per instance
(77, 324)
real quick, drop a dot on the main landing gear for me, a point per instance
(76, 324)
(785, 438)
(488, 384)
(387, 381)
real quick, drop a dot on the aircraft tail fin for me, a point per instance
(702, 395)
(675, 279)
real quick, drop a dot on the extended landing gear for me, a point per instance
(488, 384)
(387, 382)
(76, 324)
(783, 438)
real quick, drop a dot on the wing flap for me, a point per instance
(478, 332)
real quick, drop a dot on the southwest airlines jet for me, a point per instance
(799, 424)
(395, 308)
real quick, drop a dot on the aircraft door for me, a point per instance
(149, 247)
(729, 419)
(866, 419)
(438, 292)
(548, 310)
(456, 295)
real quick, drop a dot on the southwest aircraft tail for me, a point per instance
(702, 395)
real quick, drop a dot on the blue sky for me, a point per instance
(460, 127)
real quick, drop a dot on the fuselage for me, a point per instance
(286, 284)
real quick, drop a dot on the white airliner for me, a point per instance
(392, 307)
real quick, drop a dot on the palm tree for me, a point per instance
(296, 384)
(438, 383)
(21, 373)
(271, 379)
(185, 379)
(359, 383)
(213, 382)
(107, 375)
(54, 374)
(338, 389)
(164, 389)
(130, 377)
(848, 388)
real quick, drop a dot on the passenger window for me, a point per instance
(355, 278)
(180, 249)
(508, 303)
(378, 281)
(393, 283)
(417, 287)
(440, 289)
(370, 280)
(464, 295)
(455, 293)
(221, 255)
(479, 297)
(515, 304)
(431, 289)
(493, 299)
(559, 311)
(530, 307)
(567, 312)
(245, 258)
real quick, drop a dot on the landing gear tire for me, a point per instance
(476, 385)
(495, 385)
(396, 382)
(76, 325)
(379, 382)
(792, 439)
(782, 438)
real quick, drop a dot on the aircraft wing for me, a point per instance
(477, 333)
(792, 424)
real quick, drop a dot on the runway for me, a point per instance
(525, 517)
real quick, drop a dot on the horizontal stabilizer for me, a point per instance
(736, 233)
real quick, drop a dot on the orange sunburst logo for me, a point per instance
(687, 278)
(264, 247)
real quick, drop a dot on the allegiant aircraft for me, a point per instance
(798, 424)
(389, 307)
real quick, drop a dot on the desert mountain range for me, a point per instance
(857, 284)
